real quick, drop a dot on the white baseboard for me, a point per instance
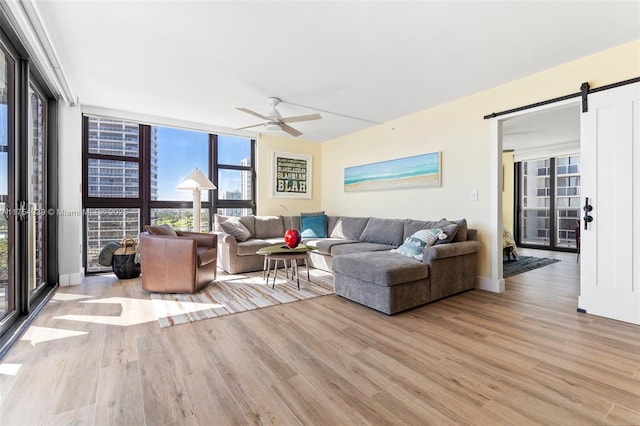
(489, 284)
(65, 280)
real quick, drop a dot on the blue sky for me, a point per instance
(180, 151)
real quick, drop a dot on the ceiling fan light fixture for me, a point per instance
(273, 126)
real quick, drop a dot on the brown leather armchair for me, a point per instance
(178, 264)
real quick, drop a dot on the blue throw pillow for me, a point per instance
(313, 226)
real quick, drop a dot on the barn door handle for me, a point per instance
(587, 208)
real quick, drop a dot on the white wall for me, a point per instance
(70, 267)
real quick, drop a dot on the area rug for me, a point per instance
(231, 294)
(524, 264)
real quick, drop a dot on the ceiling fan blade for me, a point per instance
(248, 111)
(293, 132)
(248, 127)
(298, 118)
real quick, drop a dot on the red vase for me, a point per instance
(292, 238)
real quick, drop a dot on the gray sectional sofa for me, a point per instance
(357, 251)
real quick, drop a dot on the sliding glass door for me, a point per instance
(28, 262)
(36, 163)
(7, 224)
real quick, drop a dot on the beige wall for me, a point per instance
(458, 130)
(267, 204)
(507, 191)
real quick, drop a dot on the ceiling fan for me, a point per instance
(274, 121)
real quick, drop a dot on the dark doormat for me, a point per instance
(524, 264)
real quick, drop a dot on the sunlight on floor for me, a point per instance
(65, 297)
(10, 369)
(134, 311)
(36, 334)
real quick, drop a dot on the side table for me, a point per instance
(284, 254)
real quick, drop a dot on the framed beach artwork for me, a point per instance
(420, 171)
(291, 175)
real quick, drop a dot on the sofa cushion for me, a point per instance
(324, 244)
(250, 247)
(412, 226)
(381, 268)
(414, 246)
(450, 232)
(313, 226)
(269, 227)
(234, 227)
(383, 231)
(461, 234)
(291, 222)
(358, 247)
(164, 229)
(349, 228)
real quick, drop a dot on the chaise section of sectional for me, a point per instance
(391, 282)
(384, 281)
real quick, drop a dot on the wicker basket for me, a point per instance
(124, 260)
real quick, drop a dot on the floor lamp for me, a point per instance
(196, 182)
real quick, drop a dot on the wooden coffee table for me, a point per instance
(284, 254)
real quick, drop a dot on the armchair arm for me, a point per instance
(202, 239)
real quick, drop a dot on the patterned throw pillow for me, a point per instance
(414, 246)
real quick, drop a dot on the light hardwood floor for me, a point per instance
(96, 355)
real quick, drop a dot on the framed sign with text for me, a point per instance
(291, 175)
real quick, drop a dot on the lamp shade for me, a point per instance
(196, 181)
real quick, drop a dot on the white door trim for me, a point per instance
(496, 281)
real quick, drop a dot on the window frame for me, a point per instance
(217, 166)
(144, 202)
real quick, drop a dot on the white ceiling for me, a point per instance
(549, 128)
(198, 60)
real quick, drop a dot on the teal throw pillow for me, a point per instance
(313, 226)
(414, 246)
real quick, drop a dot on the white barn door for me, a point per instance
(610, 245)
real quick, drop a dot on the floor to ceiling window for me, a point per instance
(7, 230)
(112, 189)
(36, 188)
(548, 202)
(28, 262)
(174, 154)
(132, 171)
(235, 162)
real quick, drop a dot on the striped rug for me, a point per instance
(231, 294)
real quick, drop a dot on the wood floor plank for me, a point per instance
(164, 397)
(17, 409)
(119, 400)
(453, 406)
(211, 399)
(242, 375)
